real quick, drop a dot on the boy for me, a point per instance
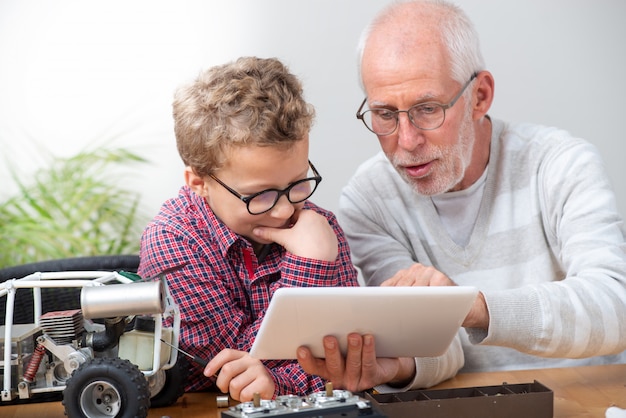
(242, 131)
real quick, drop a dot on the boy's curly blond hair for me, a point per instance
(251, 101)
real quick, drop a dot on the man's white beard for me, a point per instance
(451, 164)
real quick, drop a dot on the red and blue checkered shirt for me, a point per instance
(223, 291)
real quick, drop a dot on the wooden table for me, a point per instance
(578, 392)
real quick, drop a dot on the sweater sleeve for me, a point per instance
(580, 315)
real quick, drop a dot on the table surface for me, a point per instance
(578, 392)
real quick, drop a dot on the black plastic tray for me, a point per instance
(521, 400)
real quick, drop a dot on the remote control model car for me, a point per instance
(106, 357)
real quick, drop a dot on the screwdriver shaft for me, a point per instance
(198, 360)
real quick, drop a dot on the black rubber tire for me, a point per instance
(174, 386)
(107, 387)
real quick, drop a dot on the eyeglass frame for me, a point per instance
(283, 192)
(444, 107)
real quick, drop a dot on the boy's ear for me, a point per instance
(196, 183)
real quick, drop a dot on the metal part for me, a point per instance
(68, 354)
(63, 326)
(222, 401)
(23, 390)
(340, 403)
(198, 360)
(33, 365)
(139, 298)
(101, 399)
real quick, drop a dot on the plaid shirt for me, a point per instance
(223, 290)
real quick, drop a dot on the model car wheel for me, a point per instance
(169, 384)
(107, 387)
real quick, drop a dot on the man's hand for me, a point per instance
(310, 236)
(360, 369)
(421, 275)
(478, 316)
(240, 375)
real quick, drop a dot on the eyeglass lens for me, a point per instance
(298, 192)
(424, 116)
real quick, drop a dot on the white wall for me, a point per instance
(76, 73)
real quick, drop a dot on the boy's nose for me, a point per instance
(283, 208)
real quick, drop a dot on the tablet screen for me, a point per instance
(405, 321)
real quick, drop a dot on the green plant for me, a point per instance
(73, 207)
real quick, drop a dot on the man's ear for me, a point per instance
(195, 182)
(484, 94)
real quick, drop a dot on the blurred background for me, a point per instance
(77, 74)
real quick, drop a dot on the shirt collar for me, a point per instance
(224, 237)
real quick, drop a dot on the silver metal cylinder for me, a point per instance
(221, 401)
(139, 298)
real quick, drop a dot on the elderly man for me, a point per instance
(523, 212)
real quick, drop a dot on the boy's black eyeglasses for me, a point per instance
(265, 200)
(425, 116)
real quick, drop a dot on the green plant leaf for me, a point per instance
(73, 207)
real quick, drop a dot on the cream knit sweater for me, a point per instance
(547, 250)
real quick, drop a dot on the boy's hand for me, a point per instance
(240, 375)
(310, 236)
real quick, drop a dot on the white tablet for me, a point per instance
(405, 321)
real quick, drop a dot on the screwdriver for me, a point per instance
(198, 360)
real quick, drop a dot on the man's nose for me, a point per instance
(409, 136)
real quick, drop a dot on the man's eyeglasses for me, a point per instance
(265, 200)
(426, 116)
